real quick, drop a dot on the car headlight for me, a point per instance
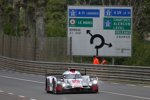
(95, 82)
(63, 84)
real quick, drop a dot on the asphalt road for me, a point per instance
(19, 86)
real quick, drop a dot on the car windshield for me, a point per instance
(72, 76)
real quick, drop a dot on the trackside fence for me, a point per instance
(137, 74)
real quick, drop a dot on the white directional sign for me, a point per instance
(103, 31)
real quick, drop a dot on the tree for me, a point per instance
(56, 18)
(144, 27)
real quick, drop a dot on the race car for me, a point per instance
(71, 81)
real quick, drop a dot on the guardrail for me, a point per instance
(104, 72)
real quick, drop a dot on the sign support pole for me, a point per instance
(113, 61)
(96, 52)
(71, 57)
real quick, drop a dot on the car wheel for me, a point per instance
(54, 86)
(94, 89)
(46, 87)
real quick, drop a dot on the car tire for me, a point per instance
(95, 90)
(46, 87)
(54, 86)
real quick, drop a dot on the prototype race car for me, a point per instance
(71, 81)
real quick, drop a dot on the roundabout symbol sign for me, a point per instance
(101, 38)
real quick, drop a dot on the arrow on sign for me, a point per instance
(98, 36)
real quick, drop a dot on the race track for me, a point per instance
(19, 86)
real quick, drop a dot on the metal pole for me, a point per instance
(81, 59)
(113, 61)
(3, 45)
(71, 57)
(97, 52)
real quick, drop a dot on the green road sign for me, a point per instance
(123, 32)
(117, 23)
(80, 22)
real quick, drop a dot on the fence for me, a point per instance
(104, 72)
(27, 48)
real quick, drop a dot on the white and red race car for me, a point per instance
(71, 81)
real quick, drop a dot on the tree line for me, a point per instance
(19, 17)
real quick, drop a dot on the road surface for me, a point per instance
(21, 86)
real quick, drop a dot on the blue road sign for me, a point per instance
(84, 13)
(118, 12)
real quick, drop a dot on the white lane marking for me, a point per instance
(131, 85)
(127, 95)
(11, 93)
(32, 99)
(21, 96)
(21, 79)
(114, 83)
(1, 91)
(147, 86)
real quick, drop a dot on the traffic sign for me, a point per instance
(80, 22)
(117, 12)
(106, 31)
(84, 12)
(117, 23)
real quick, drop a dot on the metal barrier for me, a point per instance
(137, 74)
